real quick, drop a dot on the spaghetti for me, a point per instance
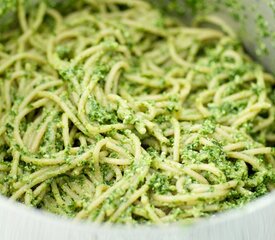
(116, 113)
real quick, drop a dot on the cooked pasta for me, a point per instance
(117, 113)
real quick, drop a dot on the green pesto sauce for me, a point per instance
(192, 153)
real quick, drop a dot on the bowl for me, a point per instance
(253, 20)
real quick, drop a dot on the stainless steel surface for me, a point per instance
(252, 222)
(254, 16)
